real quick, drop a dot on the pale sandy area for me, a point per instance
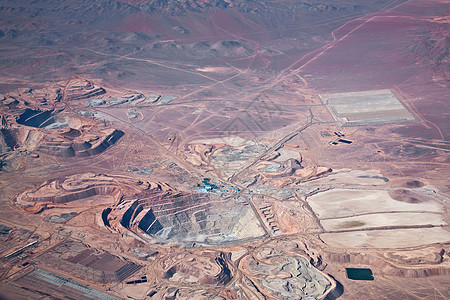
(382, 220)
(353, 177)
(247, 226)
(346, 203)
(286, 154)
(234, 141)
(396, 238)
(223, 70)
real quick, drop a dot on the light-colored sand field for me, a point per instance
(352, 177)
(345, 203)
(382, 220)
(396, 238)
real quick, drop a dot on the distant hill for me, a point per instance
(69, 38)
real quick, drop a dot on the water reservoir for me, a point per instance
(359, 274)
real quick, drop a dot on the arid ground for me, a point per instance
(224, 149)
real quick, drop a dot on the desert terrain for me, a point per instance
(226, 149)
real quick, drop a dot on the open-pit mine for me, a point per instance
(232, 149)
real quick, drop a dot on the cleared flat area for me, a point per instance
(361, 211)
(345, 203)
(382, 220)
(353, 177)
(366, 108)
(396, 238)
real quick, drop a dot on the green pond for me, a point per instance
(359, 274)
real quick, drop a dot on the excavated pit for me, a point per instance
(66, 135)
(151, 210)
(169, 215)
(210, 268)
(42, 119)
